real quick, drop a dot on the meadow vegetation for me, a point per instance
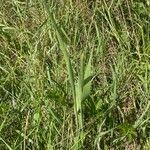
(74, 75)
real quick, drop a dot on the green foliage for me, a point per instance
(74, 74)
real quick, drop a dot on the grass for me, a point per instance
(74, 75)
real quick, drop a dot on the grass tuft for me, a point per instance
(74, 74)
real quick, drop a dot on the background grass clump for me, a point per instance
(74, 74)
